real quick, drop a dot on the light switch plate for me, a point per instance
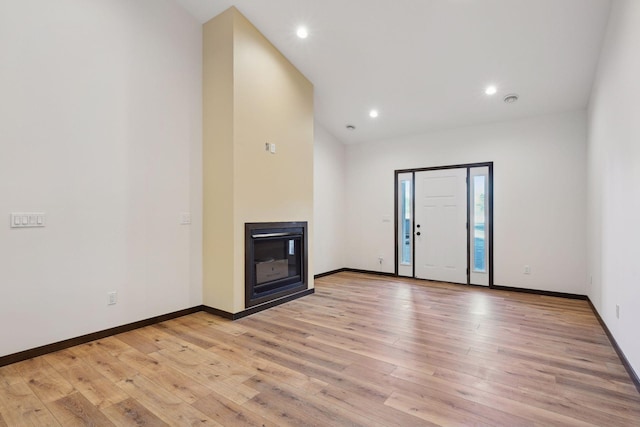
(27, 219)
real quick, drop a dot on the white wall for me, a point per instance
(329, 199)
(539, 196)
(614, 179)
(100, 117)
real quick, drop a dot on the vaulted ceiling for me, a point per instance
(425, 64)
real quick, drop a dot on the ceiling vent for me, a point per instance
(511, 98)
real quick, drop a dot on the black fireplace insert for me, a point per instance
(275, 260)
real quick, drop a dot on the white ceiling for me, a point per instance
(424, 64)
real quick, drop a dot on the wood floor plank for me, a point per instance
(441, 412)
(448, 394)
(276, 339)
(479, 391)
(138, 341)
(20, 406)
(258, 363)
(599, 387)
(385, 414)
(94, 387)
(329, 351)
(111, 345)
(44, 380)
(229, 413)
(222, 325)
(104, 362)
(362, 350)
(131, 412)
(551, 401)
(327, 376)
(76, 410)
(171, 379)
(163, 403)
(212, 375)
(293, 407)
(10, 375)
(62, 360)
(185, 334)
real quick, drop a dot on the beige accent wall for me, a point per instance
(252, 95)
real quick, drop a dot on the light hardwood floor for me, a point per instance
(363, 350)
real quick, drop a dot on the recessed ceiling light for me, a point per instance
(302, 32)
(491, 90)
(373, 114)
(511, 98)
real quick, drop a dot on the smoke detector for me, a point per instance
(511, 98)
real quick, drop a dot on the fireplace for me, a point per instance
(275, 260)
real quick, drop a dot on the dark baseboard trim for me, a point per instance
(257, 308)
(329, 273)
(539, 292)
(375, 273)
(61, 345)
(217, 312)
(625, 362)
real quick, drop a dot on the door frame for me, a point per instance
(467, 166)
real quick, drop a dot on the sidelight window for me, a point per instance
(479, 224)
(405, 226)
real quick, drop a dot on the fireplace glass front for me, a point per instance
(275, 261)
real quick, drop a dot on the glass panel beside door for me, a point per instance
(405, 225)
(479, 227)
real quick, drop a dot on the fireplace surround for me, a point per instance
(275, 260)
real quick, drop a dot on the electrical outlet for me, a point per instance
(617, 311)
(527, 269)
(113, 298)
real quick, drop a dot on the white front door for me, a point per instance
(440, 233)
